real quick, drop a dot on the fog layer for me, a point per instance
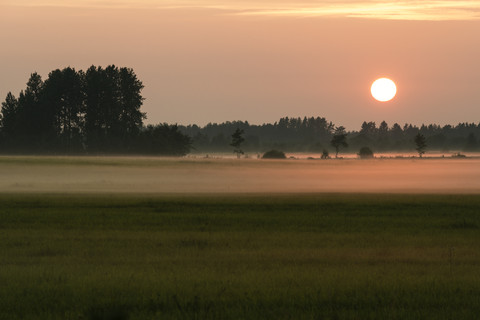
(153, 175)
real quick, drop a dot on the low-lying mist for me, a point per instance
(163, 175)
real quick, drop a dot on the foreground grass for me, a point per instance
(239, 257)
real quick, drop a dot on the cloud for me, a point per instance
(393, 10)
(390, 10)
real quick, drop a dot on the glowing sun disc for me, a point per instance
(383, 89)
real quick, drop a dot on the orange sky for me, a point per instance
(260, 60)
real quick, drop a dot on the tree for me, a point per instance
(31, 120)
(237, 140)
(63, 104)
(8, 117)
(383, 129)
(421, 144)
(369, 128)
(113, 99)
(382, 139)
(130, 118)
(339, 140)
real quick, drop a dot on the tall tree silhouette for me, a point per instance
(237, 140)
(113, 100)
(63, 101)
(30, 117)
(339, 140)
(130, 118)
(8, 118)
(421, 144)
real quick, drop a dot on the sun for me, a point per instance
(383, 89)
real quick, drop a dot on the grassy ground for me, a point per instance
(239, 257)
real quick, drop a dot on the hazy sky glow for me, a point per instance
(397, 10)
(217, 60)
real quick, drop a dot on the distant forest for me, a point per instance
(315, 134)
(98, 112)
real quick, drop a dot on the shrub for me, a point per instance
(325, 154)
(365, 153)
(274, 154)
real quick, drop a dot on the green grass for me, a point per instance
(240, 257)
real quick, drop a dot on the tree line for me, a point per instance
(98, 111)
(74, 112)
(314, 134)
(288, 134)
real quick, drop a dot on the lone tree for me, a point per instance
(339, 140)
(421, 143)
(237, 140)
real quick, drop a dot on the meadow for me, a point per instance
(277, 256)
(117, 251)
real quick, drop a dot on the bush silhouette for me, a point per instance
(274, 154)
(325, 154)
(365, 153)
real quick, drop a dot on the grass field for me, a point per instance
(243, 256)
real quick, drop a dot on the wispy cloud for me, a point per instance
(391, 10)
